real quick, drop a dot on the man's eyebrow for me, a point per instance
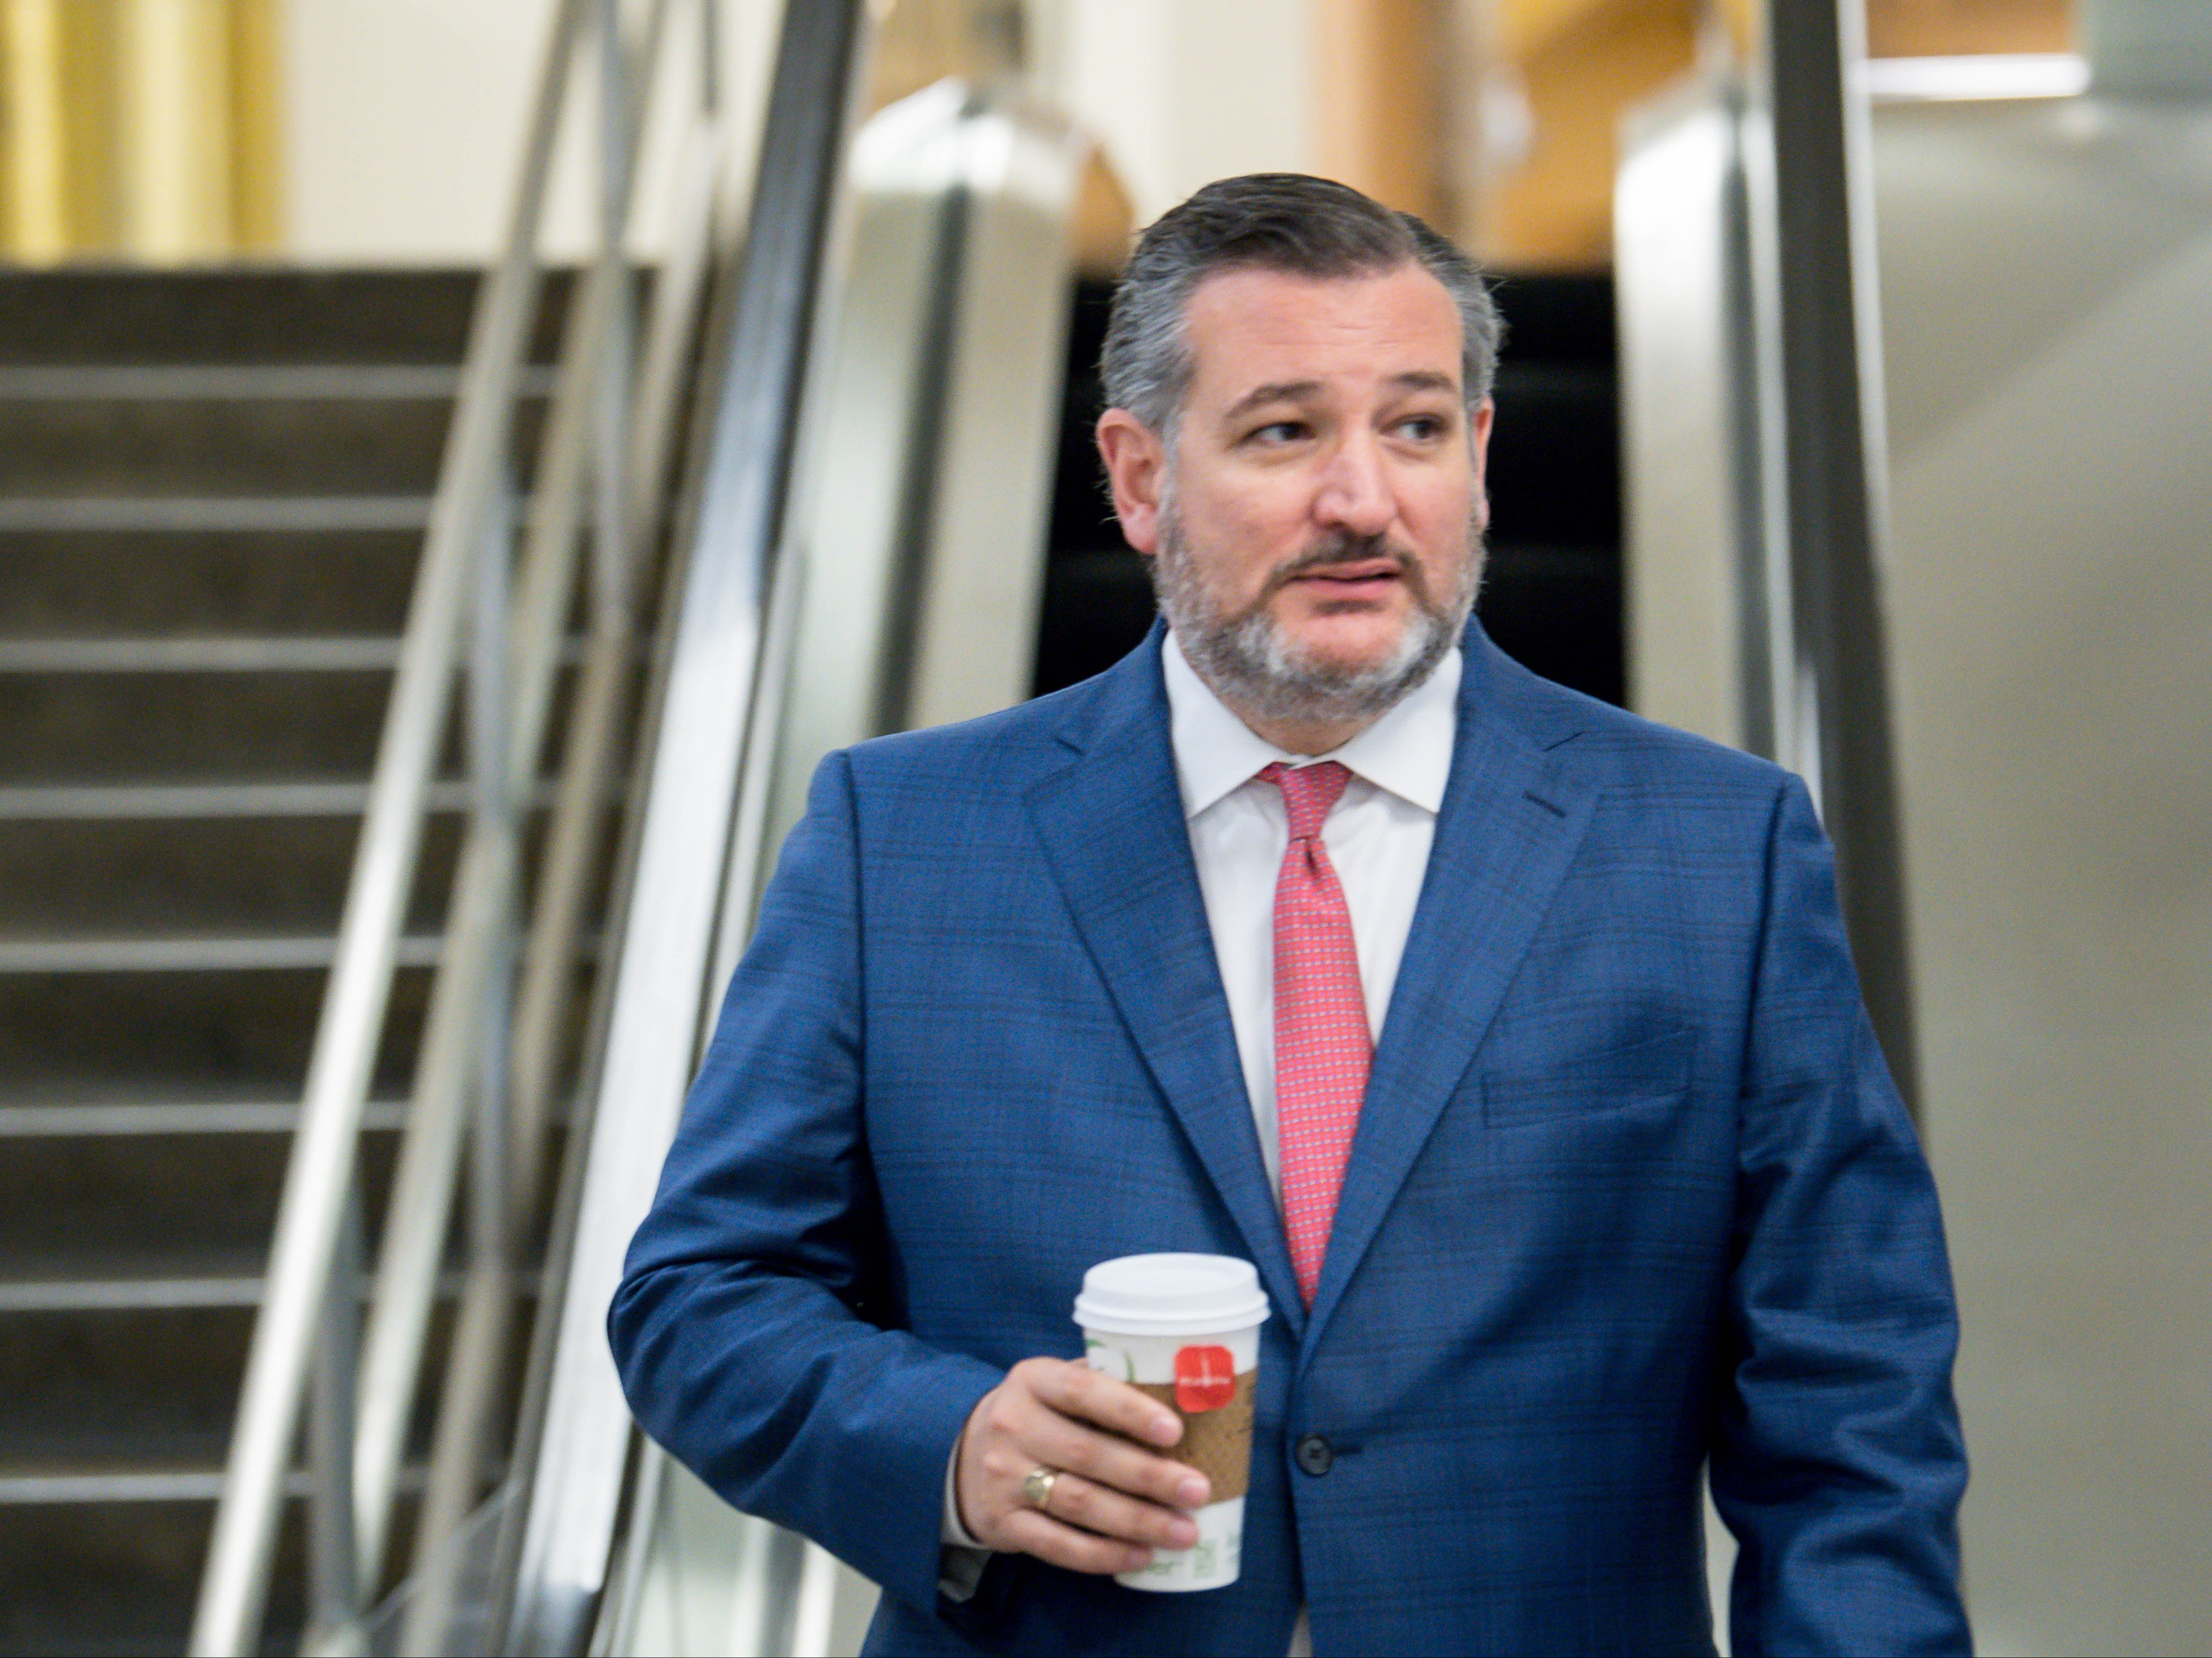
(1414, 379)
(1423, 379)
(1274, 392)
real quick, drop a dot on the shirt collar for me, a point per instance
(1407, 751)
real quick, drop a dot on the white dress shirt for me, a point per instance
(1378, 837)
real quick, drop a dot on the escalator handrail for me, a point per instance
(726, 562)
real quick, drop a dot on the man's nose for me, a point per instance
(1355, 488)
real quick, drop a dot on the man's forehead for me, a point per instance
(1253, 332)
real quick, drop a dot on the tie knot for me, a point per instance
(1309, 793)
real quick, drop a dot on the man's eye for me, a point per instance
(1279, 431)
(1422, 428)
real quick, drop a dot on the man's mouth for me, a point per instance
(1364, 578)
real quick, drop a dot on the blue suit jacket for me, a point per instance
(1631, 1189)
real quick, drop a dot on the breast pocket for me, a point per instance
(1580, 1083)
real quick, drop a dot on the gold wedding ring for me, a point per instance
(1037, 1485)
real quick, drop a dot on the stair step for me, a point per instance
(134, 514)
(193, 728)
(201, 654)
(59, 1290)
(246, 382)
(198, 726)
(95, 1485)
(87, 1205)
(245, 654)
(134, 1386)
(70, 583)
(119, 1580)
(177, 1284)
(96, 1036)
(233, 954)
(214, 489)
(248, 316)
(230, 446)
(201, 878)
(187, 1483)
(336, 799)
(112, 1118)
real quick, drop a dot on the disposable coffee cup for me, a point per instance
(1186, 1330)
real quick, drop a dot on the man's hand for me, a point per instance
(1114, 1503)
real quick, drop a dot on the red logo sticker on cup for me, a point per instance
(1205, 1379)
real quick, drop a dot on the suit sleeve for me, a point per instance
(1838, 1461)
(753, 1329)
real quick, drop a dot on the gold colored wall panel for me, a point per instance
(148, 130)
(36, 171)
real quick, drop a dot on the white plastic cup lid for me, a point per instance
(1170, 1295)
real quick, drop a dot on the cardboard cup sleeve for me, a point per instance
(1217, 1443)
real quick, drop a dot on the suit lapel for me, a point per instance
(1114, 833)
(1510, 823)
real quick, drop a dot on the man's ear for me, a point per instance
(1135, 462)
(1478, 437)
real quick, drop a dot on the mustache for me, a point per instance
(1341, 547)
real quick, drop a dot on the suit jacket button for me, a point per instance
(1315, 1455)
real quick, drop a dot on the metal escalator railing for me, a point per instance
(607, 443)
(719, 704)
(907, 594)
(1745, 252)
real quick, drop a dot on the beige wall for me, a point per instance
(404, 123)
(2047, 273)
(403, 117)
(1182, 93)
(2046, 270)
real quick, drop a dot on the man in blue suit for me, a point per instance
(1513, 1039)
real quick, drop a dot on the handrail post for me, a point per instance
(611, 557)
(334, 1596)
(493, 774)
(418, 1209)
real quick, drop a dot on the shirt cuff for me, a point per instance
(955, 1534)
(962, 1557)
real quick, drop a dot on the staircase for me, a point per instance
(213, 488)
(1552, 598)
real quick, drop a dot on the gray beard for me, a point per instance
(1244, 659)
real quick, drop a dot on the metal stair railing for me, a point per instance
(634, 441)
(610, 437)
(466, 1004)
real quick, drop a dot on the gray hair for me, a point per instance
(1285, 222)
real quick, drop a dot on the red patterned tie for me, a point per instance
(1323, 1049)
